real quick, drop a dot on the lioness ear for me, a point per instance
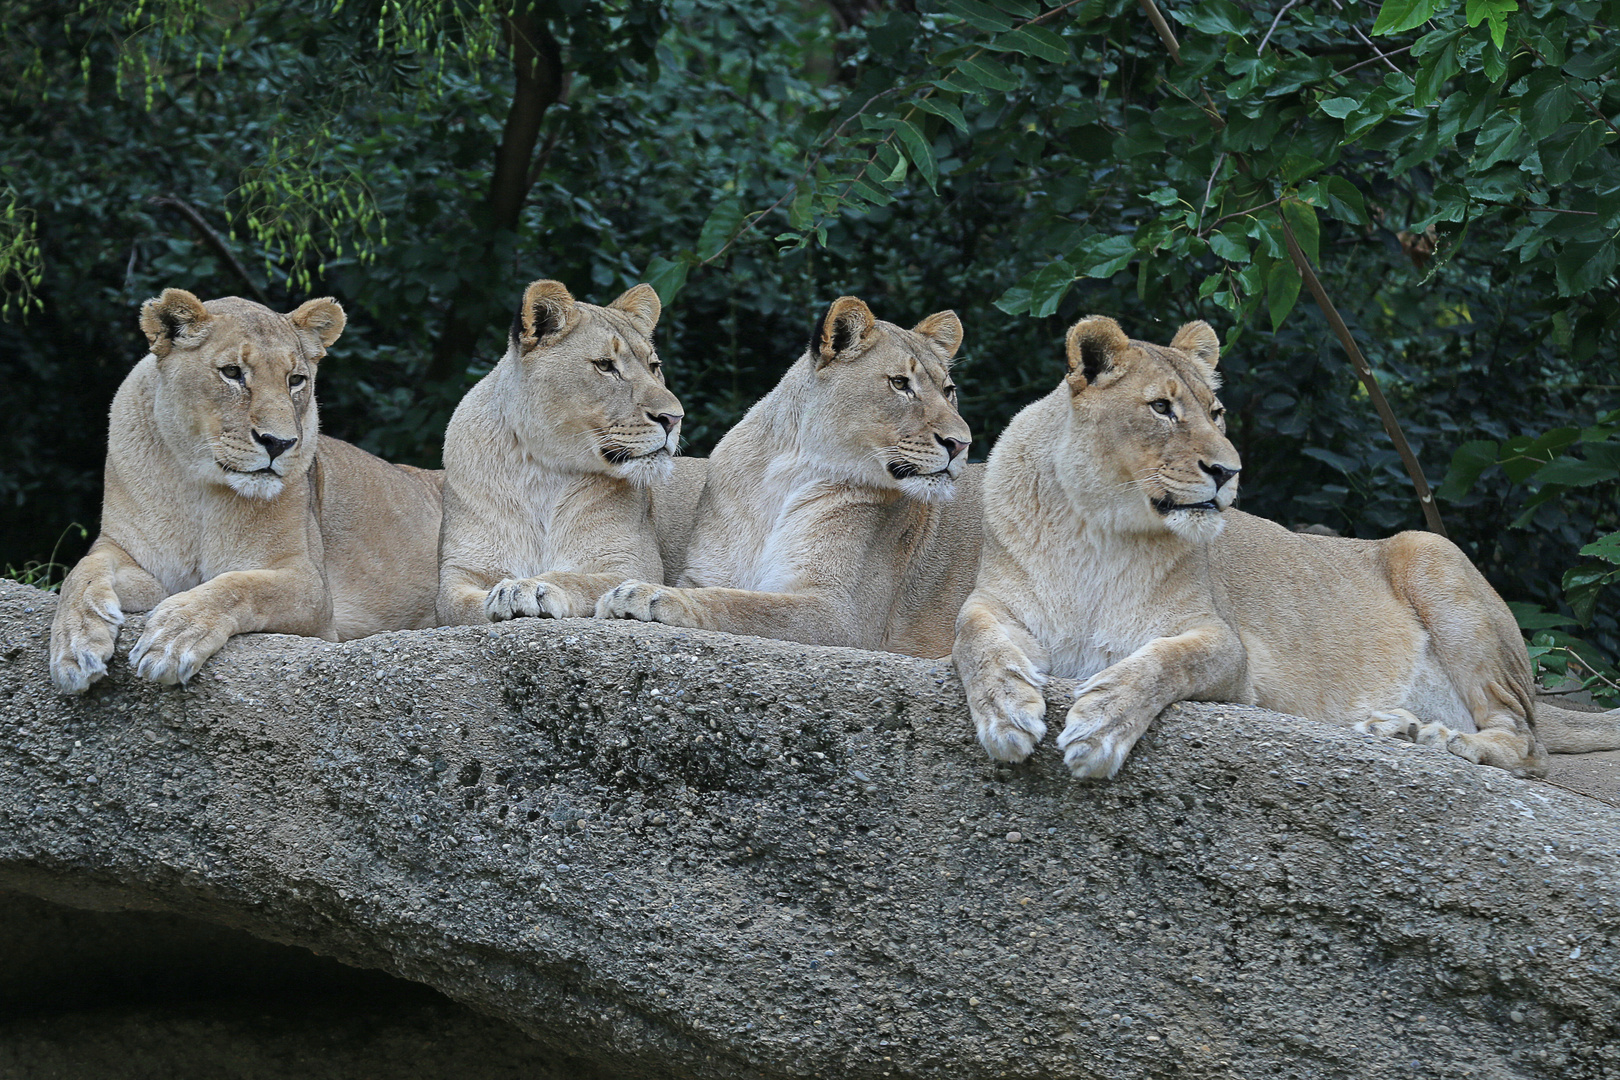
(174, 319)
(324, 318)
(641, 304)
(845, 328)
(1092, 346)
(547, 313)
(1198, 340)
(944, 329)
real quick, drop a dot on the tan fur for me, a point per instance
(202, 525)
(548, 461)
(827, 516)
(1088, 571)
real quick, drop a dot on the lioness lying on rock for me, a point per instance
(548, 461)
(1111, 555)
(827, 516)
(226, 512)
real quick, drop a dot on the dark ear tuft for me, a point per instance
(1093, 346)
(845, 328)
(942, 328)
(1198, 340)
(324, 318)
(546, 314)
(174, 319)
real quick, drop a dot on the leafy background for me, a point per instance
(1449, 170)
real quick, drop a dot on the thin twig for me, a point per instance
(1373, 60)
(1431, 512)
(1239, 213)
(212, 239)
(1537, 209)
(1213, 173)
(1262, 46)
(1377, 52)
(1165, 34)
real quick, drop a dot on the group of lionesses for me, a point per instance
(1097, 543)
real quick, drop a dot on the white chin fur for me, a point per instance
(646, 470)
(255, 485)
(1199, 526)
(935, 487)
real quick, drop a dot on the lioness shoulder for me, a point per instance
(1112, 555)
(549, 459)
(225, 510)
(828, 514)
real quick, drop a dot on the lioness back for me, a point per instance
(380, 527)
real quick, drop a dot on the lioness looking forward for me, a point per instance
(1111, 555)
(549, 458)
(828, 516)
(226, 512)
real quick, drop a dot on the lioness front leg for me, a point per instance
(189, 627)
(105, 584)
(811, 618)
(1113, 708)
(548, 596)
(1002, 682)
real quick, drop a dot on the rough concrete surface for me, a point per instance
(684, 854)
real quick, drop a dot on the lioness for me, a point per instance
(1111, 555)
(827, 516)
(225, 512)
(548, 461)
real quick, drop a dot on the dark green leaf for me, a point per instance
(718, 229)
(1468, 462)
(1036, 41)
(982, 16)
(989, 73)
(1282, 289)
(666, 277)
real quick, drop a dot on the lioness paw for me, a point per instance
(518, 598)
(1094, 744)
(82, 645)
(176, 641)
(640, 600)
(1010, 715)
(1394, 724)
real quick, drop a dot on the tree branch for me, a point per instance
(1431, 512)
(1165, 33)
(212, 240)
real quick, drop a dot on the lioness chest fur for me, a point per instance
(226, 512)
(828, 514)
(549, 459)
(1111, 555)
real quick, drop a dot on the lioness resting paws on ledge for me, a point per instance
(549, 459)
(827, 516)
(225, 512)
(1111, 555)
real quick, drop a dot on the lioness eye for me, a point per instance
(231, 371)
(1216, 413)
(899, 382)
(295, 381)
(1161, 406)
(655, 367)
(950, 390)
(604, 366)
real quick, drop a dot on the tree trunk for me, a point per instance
(539, 83)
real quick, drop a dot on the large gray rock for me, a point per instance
(675, 853)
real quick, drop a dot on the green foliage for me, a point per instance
(1550, 466)
(20, 263)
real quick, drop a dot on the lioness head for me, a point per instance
(236, 385)
(883, 408)
(595, 384)
(1156, 429)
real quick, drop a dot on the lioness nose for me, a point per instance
(1218, 472)
(666, 420)
(273, 445)
(953, 447)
